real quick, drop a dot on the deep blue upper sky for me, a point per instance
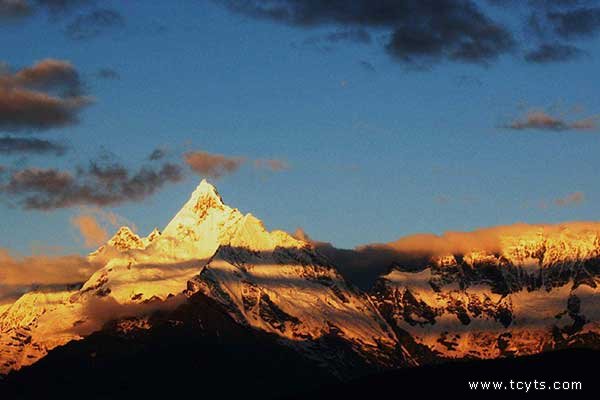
(376, 148)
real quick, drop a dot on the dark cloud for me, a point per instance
(577, 23)
(540, 120)
(14, 9)
(212, 165)
(14, 145)
(100, 184)
(553, 52)
(95, 23)
(157, 154)
(350, 35)
(420, 31)
(47, 75)
(46, 95)
(554, 22)
(19, 9)
(108, 74)
(60, 6)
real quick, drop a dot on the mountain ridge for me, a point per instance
(520, 291)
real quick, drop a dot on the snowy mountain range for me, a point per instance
(539, 292)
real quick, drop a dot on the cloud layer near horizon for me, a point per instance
(364, 264)
(20, 274)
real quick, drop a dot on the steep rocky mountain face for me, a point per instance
(215, 275)
(540, 292)
(266, 281)
(195, 349)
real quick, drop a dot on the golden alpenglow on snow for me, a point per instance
(417, 183)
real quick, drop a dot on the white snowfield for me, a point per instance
(467, 322)
(267, 280)
(276, 283)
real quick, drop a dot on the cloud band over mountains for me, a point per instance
(364, 264)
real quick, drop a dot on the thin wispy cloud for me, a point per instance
(214, 165)
(92, 233)
(94, 224)
(25, 146)
(570, 199)
(108, 74)
(326, 42)
(94, 23)
(542, 121)
(367, 66)
(553, 52)
(271, 164)
(158, 154)
(17, 10)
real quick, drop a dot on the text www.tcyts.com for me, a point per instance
(525, 386)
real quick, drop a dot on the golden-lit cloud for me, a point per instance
(301, 234)
(571, 199)
(93, 224)
(214, 165)
(541, 120)
(99, 311)
(486, 239)
(91, 231)
(19, 274)
(271, 164)
(42, 269)
(363, 264)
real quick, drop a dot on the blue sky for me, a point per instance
(374, 154)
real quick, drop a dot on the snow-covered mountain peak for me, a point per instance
(204, 205)
(122, 241)
(126, 239)
(204, 198)
(205, 222)
(264, 279)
